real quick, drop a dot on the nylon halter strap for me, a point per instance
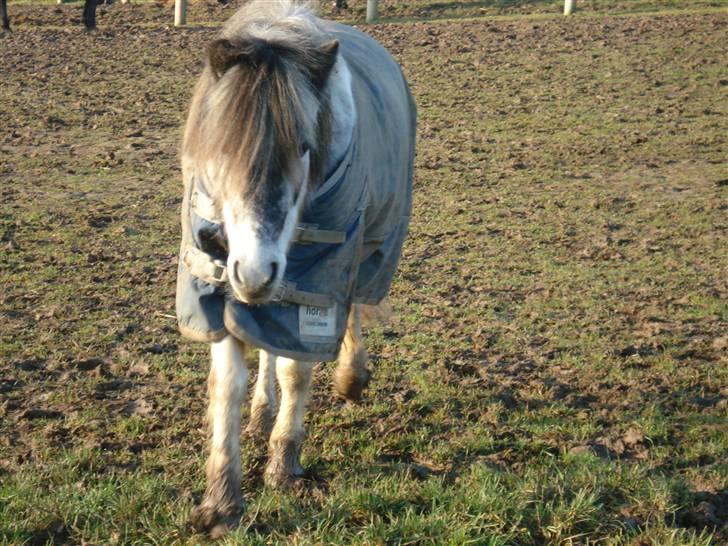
(205, 267)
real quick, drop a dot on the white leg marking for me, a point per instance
(263, 407)
(227, 383)
(294, 378)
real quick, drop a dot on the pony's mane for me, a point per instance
(261, 98)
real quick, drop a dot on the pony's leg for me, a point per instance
(351, 375)
(222, 504)
(263, 407)
(284, 448)
(89, 14)
(4, 14)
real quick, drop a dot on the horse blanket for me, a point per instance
(349, 239)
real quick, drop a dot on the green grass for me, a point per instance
(555, 501)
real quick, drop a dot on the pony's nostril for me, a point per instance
(236, 275)
(273, 273)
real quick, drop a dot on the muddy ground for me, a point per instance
(561, 302)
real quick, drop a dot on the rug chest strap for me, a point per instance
(311, 234)
(289, 293)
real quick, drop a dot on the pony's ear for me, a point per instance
(325, 58)
(222, 54)
(330, 48)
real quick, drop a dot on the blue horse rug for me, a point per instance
(349, 239)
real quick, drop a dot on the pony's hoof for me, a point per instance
(282, 480)
(213, 522)
(284, 461)
(284, 468)
(350, 386)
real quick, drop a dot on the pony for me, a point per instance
(297, 163)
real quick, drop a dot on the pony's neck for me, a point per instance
(343, 114)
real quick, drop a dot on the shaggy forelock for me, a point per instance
(251, 119)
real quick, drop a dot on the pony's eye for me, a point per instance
(304, 149)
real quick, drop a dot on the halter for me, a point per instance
(214, 271)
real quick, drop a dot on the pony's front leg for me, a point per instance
(263, 407)
(222, 504)
(284, 449)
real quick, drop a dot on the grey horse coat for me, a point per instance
(362, 210)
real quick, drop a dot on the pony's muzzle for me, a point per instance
(254, 284)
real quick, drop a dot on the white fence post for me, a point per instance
(372, 10)
(180, 13)
(569, 6)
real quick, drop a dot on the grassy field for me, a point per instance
(556, 372)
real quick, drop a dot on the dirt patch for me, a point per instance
(709, 511)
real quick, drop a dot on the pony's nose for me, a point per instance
(253, 282)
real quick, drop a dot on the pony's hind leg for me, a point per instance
(351, 375)
(284, 448)
(263, 407)
(4, 15)
(222, 504)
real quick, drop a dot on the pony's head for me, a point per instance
(256, 140)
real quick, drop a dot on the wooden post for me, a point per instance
(569, 6)
(372, 10)
(180, 13)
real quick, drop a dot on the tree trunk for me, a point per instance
(89, 14)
